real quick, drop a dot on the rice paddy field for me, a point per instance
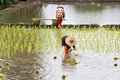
(16, 39)
(35, 53)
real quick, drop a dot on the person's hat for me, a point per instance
(59, 6)
(70, 41)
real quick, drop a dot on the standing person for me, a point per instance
(68, 42)
(60, 14)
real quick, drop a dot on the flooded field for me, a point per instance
(95, 51)
(75, 14)
(92, 66)
(37, 54)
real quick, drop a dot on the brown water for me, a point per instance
(92, 66)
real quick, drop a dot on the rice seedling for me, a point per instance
(55, 57)
(63, 77)
(2, 75)
(115, 65)
(18, 40)
(0, 66)
(116, 58)
(36, 71)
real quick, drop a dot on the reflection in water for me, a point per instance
(75, 14)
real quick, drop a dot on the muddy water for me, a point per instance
(92, 66)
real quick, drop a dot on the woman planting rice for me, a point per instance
(68, 42)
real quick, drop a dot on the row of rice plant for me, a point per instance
(99, 40)
(16, 39)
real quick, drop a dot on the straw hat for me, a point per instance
(70, 41)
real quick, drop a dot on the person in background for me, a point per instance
(68, 42)
(60, 14)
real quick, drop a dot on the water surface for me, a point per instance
(75, 14)
(93, 65)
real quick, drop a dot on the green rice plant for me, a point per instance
(36, 72)
(54, 27)
(63, 77)
(115, 64)
(66, 27)
(28, 40)
(18, 40)
(2, 76)
(96, 39)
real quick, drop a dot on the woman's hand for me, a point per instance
(74, 48)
